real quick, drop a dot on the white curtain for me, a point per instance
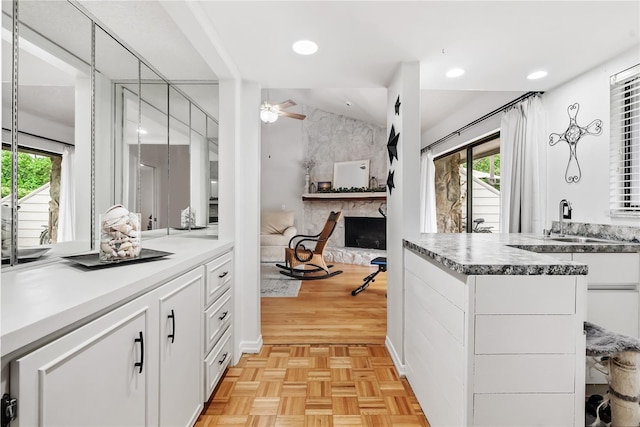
(523, 167)
(427, 193)
(67, 212)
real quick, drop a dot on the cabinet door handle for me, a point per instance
(224, 357)
(223, 274)
(172, 335)
(140, 364)
(223, 315)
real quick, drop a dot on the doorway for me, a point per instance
(148, 199)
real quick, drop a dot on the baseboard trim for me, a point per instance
(251, 346)
(397, 362)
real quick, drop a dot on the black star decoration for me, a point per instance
(390, 184)
(392, 145)
(398, 106)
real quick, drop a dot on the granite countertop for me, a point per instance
(508, 254)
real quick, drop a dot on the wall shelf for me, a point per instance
(344, 196)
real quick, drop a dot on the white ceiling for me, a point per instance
(361, 44)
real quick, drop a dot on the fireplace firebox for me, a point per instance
(365, 232)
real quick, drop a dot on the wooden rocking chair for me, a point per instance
(298, 257)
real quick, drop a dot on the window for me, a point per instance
(468, 198)
(625, 143)
(38, 179)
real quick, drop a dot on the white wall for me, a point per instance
(282, 177)
(403, 210)
(590, 196)
(324, 137)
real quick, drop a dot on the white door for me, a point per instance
(94, 376)
(181, 376)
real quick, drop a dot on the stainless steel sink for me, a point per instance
(579, 239)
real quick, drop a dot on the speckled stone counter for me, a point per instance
(507, 254)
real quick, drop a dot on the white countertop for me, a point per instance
(42, 301)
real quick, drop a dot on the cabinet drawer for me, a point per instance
(524, 373)
(525, 295)
(607, 268)
(216, 319)
(216, 362)
(553, 409)
(219, 273)
(508, 334)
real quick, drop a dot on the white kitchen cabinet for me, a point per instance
(180, 350)
(140, 364)
(217, 320)
(97, 375)
(494, 350)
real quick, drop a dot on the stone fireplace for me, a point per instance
(316, 211)
(365, 232)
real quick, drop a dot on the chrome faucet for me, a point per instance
(564, 203)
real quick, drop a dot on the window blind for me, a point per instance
(625, 143)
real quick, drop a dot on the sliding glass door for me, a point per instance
(468, 188)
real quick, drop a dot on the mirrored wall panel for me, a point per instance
(54, 128)
(93, 135)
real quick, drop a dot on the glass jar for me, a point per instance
(312, 188)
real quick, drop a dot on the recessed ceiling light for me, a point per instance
(305, 47)
(455, 72)
(537, 75)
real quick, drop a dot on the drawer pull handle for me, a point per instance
(172, 335)
(223, 315)
(223, 274)
(140, 364)
(224, 357)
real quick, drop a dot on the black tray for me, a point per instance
(28, 254)
(193, 227)
(92, 260)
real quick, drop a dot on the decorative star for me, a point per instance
(398, 106)
(390, 184)
(392, 145)
(571, 136)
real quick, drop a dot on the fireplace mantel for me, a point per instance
(345, 196)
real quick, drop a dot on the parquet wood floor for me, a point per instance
(314, 385)
(323, 363)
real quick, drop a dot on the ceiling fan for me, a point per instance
(269, 112)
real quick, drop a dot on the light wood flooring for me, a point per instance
(325, 312)
(323, 363)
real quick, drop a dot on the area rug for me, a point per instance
(274, 284)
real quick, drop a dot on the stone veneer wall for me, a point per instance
(330, 138)
(316, 213)
(448, 192)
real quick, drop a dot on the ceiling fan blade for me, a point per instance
(285, 104)
(292, 115)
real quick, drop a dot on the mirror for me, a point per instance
(54, 174)
(152, 169)
(93, 164)
(179, 135)
(212, 140)
(116, 103)
(354, 174)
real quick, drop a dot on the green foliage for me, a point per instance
(33, 172)
(353, 190)
(482, 164)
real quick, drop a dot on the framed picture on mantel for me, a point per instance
(324, 186)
